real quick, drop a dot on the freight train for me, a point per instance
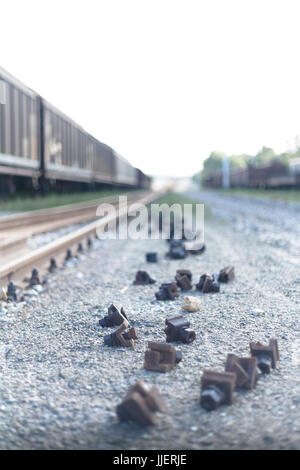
(272, 175)
(42, 147)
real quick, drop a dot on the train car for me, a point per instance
(239, 177)
(144, 181)
(73, 154)
(40, 142)
(19, 129)
(271, 175)
(125, 173)
(104, 164)
(70, 153)
(265, 176)
(214, 180)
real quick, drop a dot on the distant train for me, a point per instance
(40, 144)
(271, 175)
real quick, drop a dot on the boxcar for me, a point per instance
(19, 128)
(214, 180)
(261, 176)
(71, 153)
(239, 177)
(39, 141)
(125, 173)
(143, 181)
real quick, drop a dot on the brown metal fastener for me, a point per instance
(226, 274)
(245, 369)
(267, 355)
(184, 279)
(177, 249)
(167, 291)
(121, 337)
(53, 266)
(114, 317)
(178, 329)
(11, 292)
(161, 357)
(140, 404)
(207, 284)
(69, 255)
(216, 389)
(35, 279)
(80, 248)
(143, 278)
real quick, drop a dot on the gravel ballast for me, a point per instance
(60, 384)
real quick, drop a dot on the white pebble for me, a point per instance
(38, 288)
(257, 311)
(191, 304)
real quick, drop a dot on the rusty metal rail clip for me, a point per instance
(226, 274)
(121, 337)
(267, 355)
(177, 249)
(167, 291)
(245, 369)
(143, 278)
(178, 329)
(140, 404)
(216, 389)
(114, 317)
(207, 284)
(161, 357)
(151, 257)
(183, 279)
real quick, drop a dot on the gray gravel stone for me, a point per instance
(60, 384)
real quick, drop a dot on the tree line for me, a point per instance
(263, 156)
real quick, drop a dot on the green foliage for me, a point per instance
(213, 162)
(239, 161)
(20, 203)
(264, 156)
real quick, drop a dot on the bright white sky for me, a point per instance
(163, 81)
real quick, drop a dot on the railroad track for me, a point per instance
(16, 229)
(22, 263)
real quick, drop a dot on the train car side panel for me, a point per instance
(125, 172)
(19, 129)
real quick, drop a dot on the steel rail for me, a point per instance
(39, 257)
(16, 229)
(24, 219)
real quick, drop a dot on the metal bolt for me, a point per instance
(53, 265)
(264, 363)
(188, 335)
(166, 293)
(212, 397)
(69, 254)
(151, 257)
(35, 280)
(11, 291)
(142, 278)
